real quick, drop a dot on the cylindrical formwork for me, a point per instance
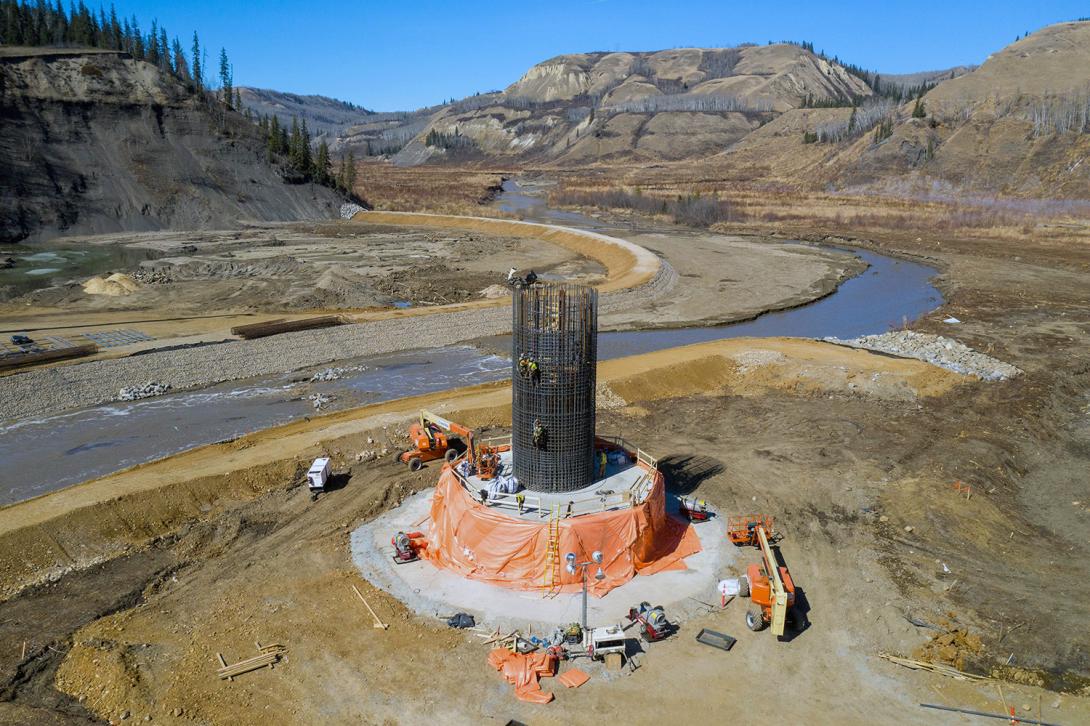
(555, 326)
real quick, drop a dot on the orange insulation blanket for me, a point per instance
(483, 543)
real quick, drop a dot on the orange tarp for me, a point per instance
(522, 670)
(483, 543)
(573, 678)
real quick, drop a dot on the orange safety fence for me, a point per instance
(482, 543)
(522, 670)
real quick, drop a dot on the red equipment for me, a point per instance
(407, 546)
(696, 510)
(653, 620)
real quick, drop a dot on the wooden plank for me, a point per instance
(378, 620)
(614, 661)
(223, 663)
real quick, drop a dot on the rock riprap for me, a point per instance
(936, 350)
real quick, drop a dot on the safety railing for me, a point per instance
(592, 502)
(640, 455)
(498, 441)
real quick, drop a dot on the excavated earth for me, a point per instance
(923, 513)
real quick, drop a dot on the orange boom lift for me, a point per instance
(771, 589)
(431, 440)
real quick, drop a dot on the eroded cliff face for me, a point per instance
(97, 142)
(672, 104)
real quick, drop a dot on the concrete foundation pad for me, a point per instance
(431, 591)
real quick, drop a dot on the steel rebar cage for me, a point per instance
(555, 325)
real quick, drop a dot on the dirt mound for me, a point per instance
(954, 646)
(116, 285)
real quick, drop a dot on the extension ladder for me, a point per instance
(551, 584)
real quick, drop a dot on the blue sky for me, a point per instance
(403, 55)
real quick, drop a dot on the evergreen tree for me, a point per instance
(180, 67)
(350, 173)
(225, 78)
(164, 51)
(238, 100)
(115, 29)
(274, 140)
(306, 163)
(918, 111)
(198, 66)
(153, 43)
(321, 164)
(137, 40)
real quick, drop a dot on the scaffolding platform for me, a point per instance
(623, 486)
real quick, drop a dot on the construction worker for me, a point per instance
(603, 460)
(520, 499)
(539, 435)
(524, 365)
(571, 508)
(533, 371)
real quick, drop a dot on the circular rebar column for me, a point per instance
(556, 326)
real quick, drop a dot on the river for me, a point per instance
(52, 452)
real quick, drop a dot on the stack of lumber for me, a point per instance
(939, 668)
(18, 360)
(275, 327)
(269, 656)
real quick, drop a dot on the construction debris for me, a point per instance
(268, 656)
(939, 668)
(952, 646)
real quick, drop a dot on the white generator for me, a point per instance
(600, 642)
(318, 475)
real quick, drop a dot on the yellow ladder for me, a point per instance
(551, 584)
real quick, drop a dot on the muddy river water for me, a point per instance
(48, 453)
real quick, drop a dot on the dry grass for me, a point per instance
(425, 188)
(1048, 230)
(686, 194)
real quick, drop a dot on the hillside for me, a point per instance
(1019, 124)
(663, 105)
(326, 117)
(95, 141)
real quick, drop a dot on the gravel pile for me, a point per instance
(350, 210)
(937, 350)
(332, 374)
(148, 390)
